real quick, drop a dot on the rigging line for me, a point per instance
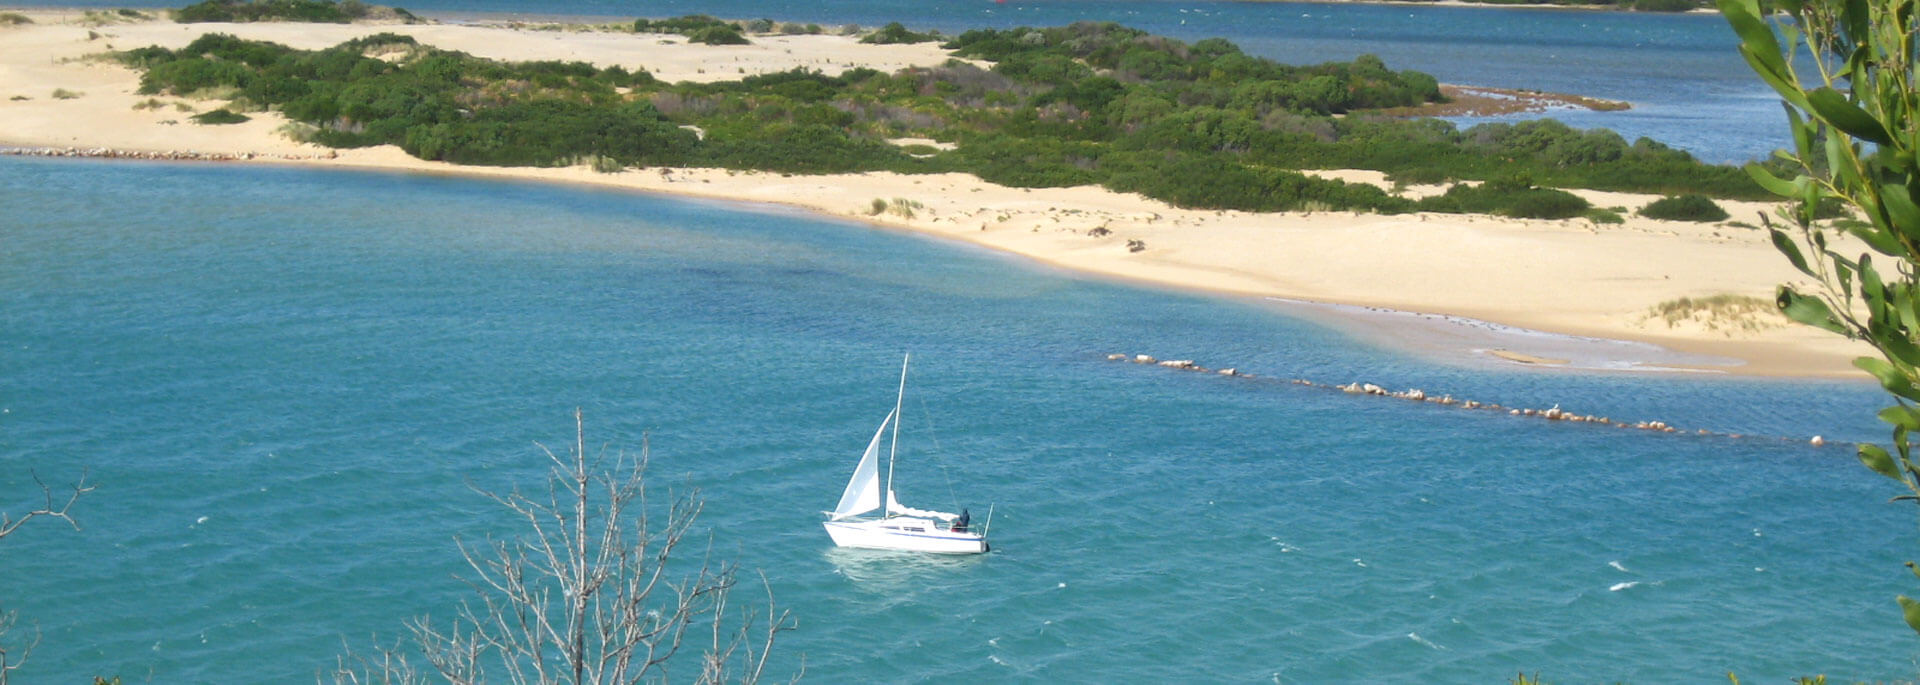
(933, 433)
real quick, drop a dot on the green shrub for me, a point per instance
(895, 33)
(64, 94)
(14, 19)
(724, 34)
(1515, 197)
(1689, 207)
(219, 116)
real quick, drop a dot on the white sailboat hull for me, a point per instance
(901, 534)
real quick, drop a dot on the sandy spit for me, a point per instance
(1580, 280)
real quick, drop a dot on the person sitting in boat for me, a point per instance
(960, 524)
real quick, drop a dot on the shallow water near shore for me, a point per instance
(284, 380)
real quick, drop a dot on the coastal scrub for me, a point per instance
(1200, 125)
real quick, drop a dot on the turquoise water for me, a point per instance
(284, 380)
(1689, 87)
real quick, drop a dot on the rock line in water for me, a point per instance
(1554, 413)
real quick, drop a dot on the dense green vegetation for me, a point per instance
(1198, 125)
(1687, 207)
(318, 11)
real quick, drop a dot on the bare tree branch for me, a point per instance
(8, 524)
(12, 655)
(592, 591)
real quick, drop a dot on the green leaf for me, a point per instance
(1910, 609)
(1881, 241)
(1900, 348)
(1811, 311)
(1889, 376)
(1832, 107)
(1802, 131)
(1877, 459)
(1898, 203)
(1857, 25)
(1775, 76)
(1871, 287)
(1899, 415)
(1756, 37)
(1784, 243)
(1774, 184)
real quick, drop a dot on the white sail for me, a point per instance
(863, 490)
(894, 505)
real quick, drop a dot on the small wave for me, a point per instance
(1618, 567)
(1622, 586)
(997, 660)
(1416, 638)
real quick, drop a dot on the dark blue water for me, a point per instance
(284, 381)
(1689, 87)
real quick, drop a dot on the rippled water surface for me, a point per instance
(284, 381)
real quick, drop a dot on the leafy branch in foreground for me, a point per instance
(1854, 114)
(590, 592)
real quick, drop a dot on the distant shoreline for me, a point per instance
(1564, 277)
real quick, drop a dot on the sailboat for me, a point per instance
(899, 527)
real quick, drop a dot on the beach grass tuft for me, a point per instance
(1726, 312)
(904, 207)
(64, 94)
(14, 19)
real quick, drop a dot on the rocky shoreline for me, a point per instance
(157, 155)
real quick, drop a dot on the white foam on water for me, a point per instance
(1416, 638)
(1617, 567)
(1622, 586)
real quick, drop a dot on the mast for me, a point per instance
(886, 510)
